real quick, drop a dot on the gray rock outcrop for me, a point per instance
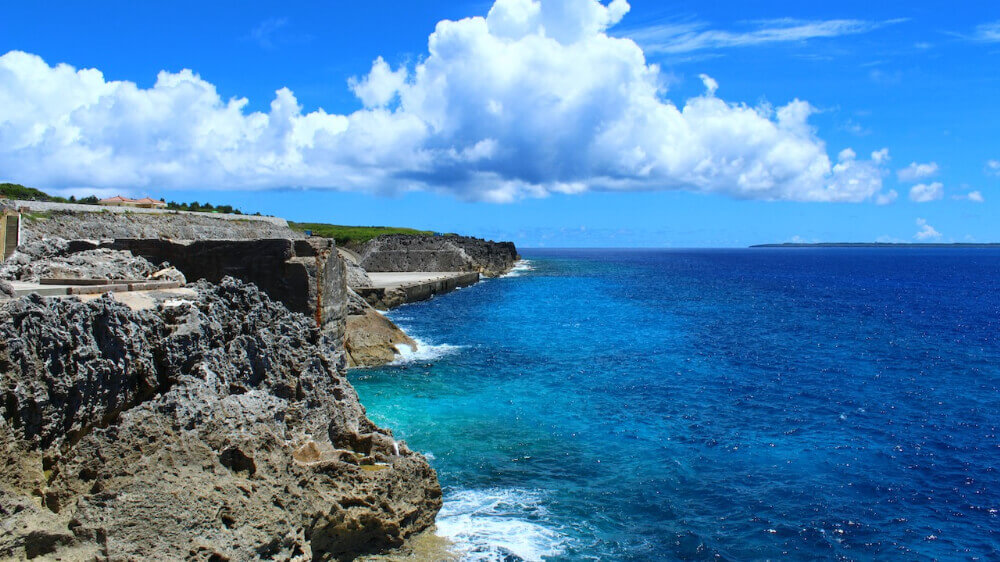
(401, 252)
(101, 263)
(211, 429)
(14, 267)
(357, 277)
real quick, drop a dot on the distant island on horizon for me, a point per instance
(879, 245)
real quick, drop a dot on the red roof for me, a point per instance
(120, 199)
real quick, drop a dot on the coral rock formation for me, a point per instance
(210, 429)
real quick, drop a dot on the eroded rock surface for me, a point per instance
(210, 429)
(101, 263)
(401, 252)
(16, 266)
(371, 339)
(357, 277)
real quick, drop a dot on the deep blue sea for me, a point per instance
(711, 405)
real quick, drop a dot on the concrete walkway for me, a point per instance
(393, 289)
(397, 280)
(22, 288)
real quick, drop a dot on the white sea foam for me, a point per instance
(424, 352)
(520, 268)
(498, 525)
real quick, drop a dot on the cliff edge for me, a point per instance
(402, 252)
(210, 428)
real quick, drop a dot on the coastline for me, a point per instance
(550, 407)
(281, 280)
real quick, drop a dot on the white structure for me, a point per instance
(10, 232)
(144, 203)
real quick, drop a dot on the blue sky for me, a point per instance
(394, 146)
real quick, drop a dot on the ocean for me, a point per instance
(710, 405)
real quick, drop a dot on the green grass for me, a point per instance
(349, 236)
(36, 215)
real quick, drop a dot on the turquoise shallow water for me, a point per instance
(711, 405)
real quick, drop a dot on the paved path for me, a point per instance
(396, 280)
(22, 288)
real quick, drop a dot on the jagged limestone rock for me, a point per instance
(214, 428)
(101, 263)
(169, 273)
(13, 268)
(357, 277)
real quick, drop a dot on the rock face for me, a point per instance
(213, 429)
(400, 252)
(95, 226)
(91, 264)
(304, 275)
(15, 267)
(357, 277)
(370, 338)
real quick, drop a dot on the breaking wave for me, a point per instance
(424, 352)
(498, 524)
(520, 268)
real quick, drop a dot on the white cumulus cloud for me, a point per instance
(974, 196)
(926, 232)
(887, 197)
(926, 192)
(535, 98)
(916, 172)
(380, 86)
(993, 167)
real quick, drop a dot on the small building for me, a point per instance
(144, 203)
(10, 231)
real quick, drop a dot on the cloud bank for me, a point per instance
(536, 98)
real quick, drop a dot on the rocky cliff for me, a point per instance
(75, 225)
(400, 252)
(371, 339)
(215, 428)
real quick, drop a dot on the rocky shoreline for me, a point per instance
(215, 422)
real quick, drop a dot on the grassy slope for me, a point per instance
(17, 191)
(351, 235)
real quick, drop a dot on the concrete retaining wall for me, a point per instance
(47, 206)
(384, 298)
(304, 275)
